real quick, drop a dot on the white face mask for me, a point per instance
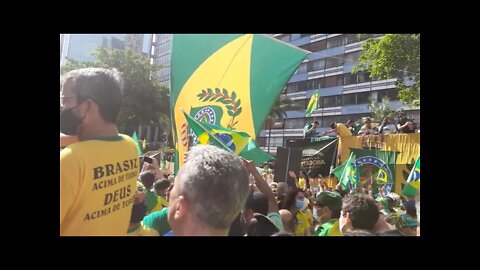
(315, 214)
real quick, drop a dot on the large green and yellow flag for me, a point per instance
(230, 80)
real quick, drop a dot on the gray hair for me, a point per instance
(103, 86)
(215, 183)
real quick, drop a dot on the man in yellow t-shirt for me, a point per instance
(340, 129)
(97, 173)
(331, 181)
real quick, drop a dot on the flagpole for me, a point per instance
(324, 147)
(208, 132)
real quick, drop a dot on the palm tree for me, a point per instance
(278, 111)
(381, 110)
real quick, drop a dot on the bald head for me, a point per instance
(287, 220)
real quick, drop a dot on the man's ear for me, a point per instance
(182, 207)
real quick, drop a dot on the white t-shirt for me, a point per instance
(390, 128)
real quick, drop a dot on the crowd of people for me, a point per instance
(106, 190)
(352, 128)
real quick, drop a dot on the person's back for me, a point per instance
(343, 131)
(102, 195)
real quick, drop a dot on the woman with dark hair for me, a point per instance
(293, 202)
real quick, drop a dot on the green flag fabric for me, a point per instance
(139, 148)
(350, 176)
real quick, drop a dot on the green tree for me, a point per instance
(394, 56)
(146, 101)
(380, 110)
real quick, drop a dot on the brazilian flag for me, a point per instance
(228, 80)
(349, 176)
(313, 103)
(237, 142)
(413, 181)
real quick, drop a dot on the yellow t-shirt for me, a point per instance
(301, 183)
(309, 215)
(161, 203)
(302, 224)
(97, 186)
(343, 131)
(141, 230)
(331, 182)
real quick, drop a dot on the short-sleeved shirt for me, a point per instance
(158, 221)
(329, 228)
(141, 230)
(302, 224)
(342, 130)
(276, 219)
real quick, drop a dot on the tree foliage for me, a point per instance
(394, 56)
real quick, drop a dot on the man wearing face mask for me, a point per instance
(98, 173)
(328, 205)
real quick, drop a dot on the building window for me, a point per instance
(302, 86)
(302, 68)
(393, 94)
(335, 42)
(381, 94)
(318, 46)
(285, 37)
(305, 47)
(292, 87)
(349, 78)
(333, 62)
(363, 77)
(330, 101)
(276, 141)
(300, 104)
(348, 99)
(333, 81)
(315, 84)
(327, 120)
(316, 65)
(352, 58)
(294, 123)
(362, 98)
(351, 38)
